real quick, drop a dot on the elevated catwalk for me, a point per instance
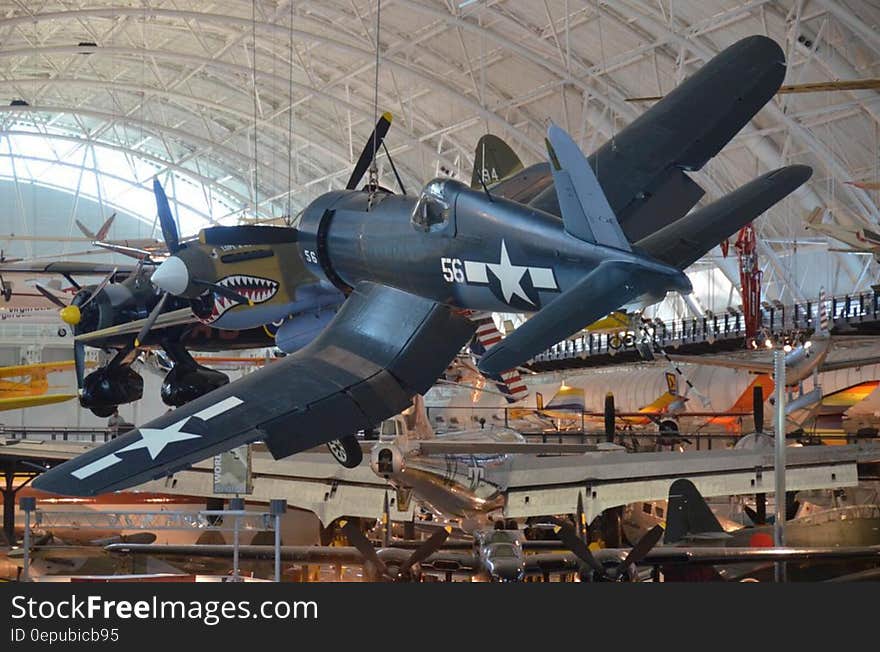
(857, 314)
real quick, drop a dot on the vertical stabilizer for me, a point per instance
(85, 231)
(688, 516)
(586, 213)
(105, 228)
(494, 161)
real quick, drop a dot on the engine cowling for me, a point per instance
(313, 234)
(387, 460)
(185, 383)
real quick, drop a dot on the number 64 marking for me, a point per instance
(452, 270)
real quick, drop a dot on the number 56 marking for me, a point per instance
(452, 271)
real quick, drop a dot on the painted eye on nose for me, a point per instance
(213, 253)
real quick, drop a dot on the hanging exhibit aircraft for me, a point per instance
(500, 555)
(862, 240)
(408, 264)
(141, 248)
(110, 315)
(30, 390)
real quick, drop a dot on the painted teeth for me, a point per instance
(256, 290)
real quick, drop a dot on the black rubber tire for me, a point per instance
(347, 451)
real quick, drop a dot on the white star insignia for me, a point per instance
(510, 276)
(155, 439)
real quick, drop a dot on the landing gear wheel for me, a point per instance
(347, 451)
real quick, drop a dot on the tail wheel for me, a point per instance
(347, 451)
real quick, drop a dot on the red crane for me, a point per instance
(750, 277)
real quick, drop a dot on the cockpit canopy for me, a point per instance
(436, 203)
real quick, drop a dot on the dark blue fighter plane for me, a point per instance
(569, 240)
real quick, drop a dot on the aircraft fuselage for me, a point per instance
(458, 247)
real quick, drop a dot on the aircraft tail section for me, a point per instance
(510, 382)
(105, 228)
(871, 237)
(85, 231)
(688, 515)
(815, 216)
(494, 161)
(586, 213)
(681, 243)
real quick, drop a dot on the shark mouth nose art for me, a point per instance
(255, 288)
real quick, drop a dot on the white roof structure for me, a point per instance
(97, 97)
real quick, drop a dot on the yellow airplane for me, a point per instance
(32, 384)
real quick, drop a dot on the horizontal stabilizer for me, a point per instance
(85, 231)
(606, 288)
(104, 231)
(585, 211)
(871, 237)
(683, 242)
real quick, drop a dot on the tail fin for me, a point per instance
(509, 383)
(871, 237)
(815, 216)
(672, 383)
(105, 228)
(416, 419)
(85, 231)
(494, 161)
(586, 213)
(687, 514)
(820, 327)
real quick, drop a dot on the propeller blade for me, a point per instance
(51, 297)
(573, 542)
(99, 287)
(370, 149)
(79, 362)
(151, 319)
(643, 547)
(758, 407)
(358, 540)
(610, 417)
(429, 547)
(166, 219)
(222, 290)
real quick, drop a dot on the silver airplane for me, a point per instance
(482, 476)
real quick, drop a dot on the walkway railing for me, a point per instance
(848, 314)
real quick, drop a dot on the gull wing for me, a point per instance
(382, 347)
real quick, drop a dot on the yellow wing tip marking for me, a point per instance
(387, 116)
